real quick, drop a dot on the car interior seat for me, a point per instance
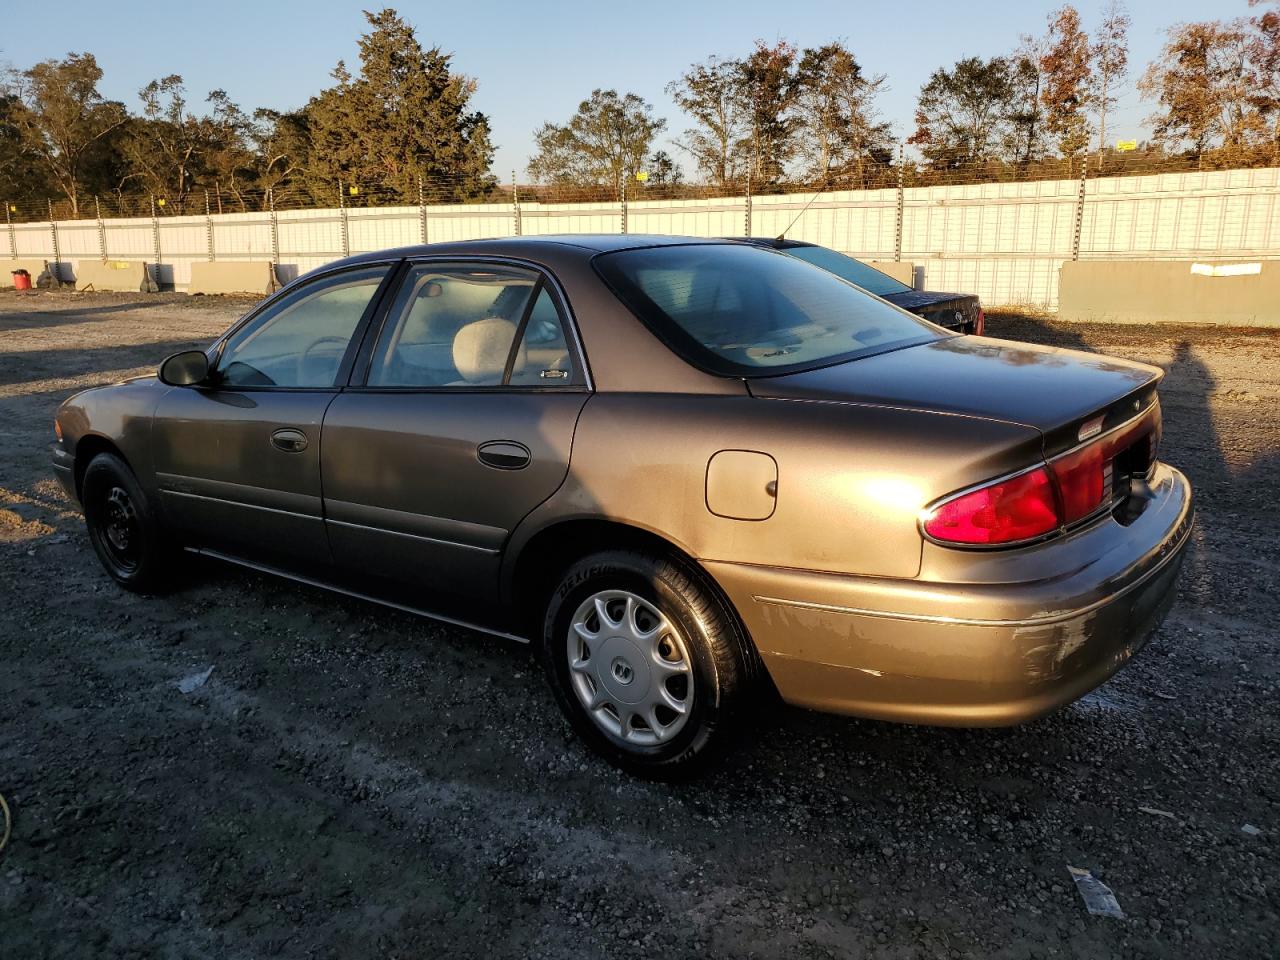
(480, 351)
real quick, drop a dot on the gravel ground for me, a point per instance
(355, 782)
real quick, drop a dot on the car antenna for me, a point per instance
(821, 187)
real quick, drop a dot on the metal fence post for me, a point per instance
(1075, 236)
(275, 230)
(342, 215)
(13, 238)
(422, 212)
(624, 205)
(747, 215)
(57, 255)
(208, 226)
(155, 238)
(897, 230)
(515, 202)
(102, 229)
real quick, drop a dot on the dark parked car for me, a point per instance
(961, 312)
(684, 469)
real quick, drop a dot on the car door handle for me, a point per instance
(289, 440)
(504, 455)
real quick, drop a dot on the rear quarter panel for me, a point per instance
(851, 478)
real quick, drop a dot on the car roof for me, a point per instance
(527, 246)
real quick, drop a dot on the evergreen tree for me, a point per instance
(406, 114)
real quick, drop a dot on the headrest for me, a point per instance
(480, 350)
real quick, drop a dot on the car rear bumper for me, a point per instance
(967, 654)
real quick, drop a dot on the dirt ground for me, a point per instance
(352, 782)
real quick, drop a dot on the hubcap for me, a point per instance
(630, 668)
(120, 527)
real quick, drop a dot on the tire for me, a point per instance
(124, 529)
(698, 654)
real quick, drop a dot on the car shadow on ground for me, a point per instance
(72, 314)
(27, 367)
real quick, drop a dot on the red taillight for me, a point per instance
(1021, 508)
(1082, 479)
(1068, 489)
(980, 327)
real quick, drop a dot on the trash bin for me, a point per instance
(21, 280)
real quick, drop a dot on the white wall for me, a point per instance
(1003, 241)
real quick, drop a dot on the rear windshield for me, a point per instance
(743, 311)
(847, 268)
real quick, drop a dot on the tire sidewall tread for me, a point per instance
(155, 569)
(716, 645)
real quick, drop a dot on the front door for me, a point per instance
(461, 426)
(238, 460)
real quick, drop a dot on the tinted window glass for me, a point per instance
(452, 327)
(743, 311)
(300, 339)
(847, 268)
(544, 359)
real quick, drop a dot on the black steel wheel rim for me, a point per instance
(120, 531)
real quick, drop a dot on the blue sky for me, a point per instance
(536, 62)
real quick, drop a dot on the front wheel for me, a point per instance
(123, 527)
(647, 661)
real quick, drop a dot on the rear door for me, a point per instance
(238, 461)
(458, 422)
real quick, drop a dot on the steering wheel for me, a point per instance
(302, 357)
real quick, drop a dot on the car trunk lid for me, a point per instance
(1067, 395)
(955, 311)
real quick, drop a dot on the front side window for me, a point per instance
(742, 311)
(471, 326)
(299, 340)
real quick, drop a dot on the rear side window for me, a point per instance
(544, 358)
(471, 326)
(742, 311)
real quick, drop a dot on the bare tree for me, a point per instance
(1110, 53)
(170, 149)
(1025, 141)
(709, 93)
(1266, 54)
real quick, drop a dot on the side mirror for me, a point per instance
(185, 369)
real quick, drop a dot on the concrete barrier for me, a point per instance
(1243, 292)
(33, 267)
(902, 272)
(124, 276)
(232, 276)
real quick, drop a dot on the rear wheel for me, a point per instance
(125, 532)
(647, 661)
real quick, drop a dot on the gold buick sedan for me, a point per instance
(691, 472)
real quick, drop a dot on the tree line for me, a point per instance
(774, 118)
(405, 116)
